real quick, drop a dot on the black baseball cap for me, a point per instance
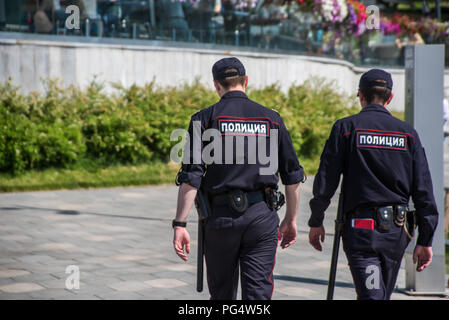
(221, 66)
(371, 77)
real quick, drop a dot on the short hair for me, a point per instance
(376, 93)
(232, 82)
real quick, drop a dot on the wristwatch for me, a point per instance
(175, 223)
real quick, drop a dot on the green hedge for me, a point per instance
(66, 126)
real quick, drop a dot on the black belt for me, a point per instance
(223, 198)
(370, 212)
(383, 216)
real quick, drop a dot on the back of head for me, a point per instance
(376, 86)
(229, 73)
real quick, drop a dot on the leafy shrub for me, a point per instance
(32, 137)
(65, 126)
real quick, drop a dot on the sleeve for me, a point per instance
(193, 168)
(290, 171)
(328, 176)
(422, 195)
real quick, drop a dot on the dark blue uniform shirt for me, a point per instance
(383, 163)
(237, 115)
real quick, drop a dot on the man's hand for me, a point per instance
(181, 238)
(315, 235)
(287, 232)
(422, 255)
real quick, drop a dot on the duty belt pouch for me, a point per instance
(238, 201)
(274, 199)
(384, 218)
(400, 215)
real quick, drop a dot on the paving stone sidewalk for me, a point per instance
(121, 241)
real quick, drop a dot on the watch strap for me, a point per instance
(175, 223)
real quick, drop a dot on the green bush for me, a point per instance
(165, 110)
(65, 126)
(32, 136)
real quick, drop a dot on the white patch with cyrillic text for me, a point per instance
(382, 141)
(243, 127)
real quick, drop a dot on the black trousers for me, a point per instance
(374, 258)
(241, 241)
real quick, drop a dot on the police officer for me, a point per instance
(243, 229)
(383, 164)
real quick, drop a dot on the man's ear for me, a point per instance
(389, 100)
(246, 82)
(360, 96)
(219, 88)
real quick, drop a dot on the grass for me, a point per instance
(398, 114)
(90, 177)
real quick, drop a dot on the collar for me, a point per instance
(375, 107)
(234, 94)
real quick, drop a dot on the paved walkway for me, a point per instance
(121, 241)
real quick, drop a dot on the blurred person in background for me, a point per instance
(173, 17)
(199, 18)
(42, 13)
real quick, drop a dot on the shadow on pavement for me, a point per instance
(74, 212)
(313, 281)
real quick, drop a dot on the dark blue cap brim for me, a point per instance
(370, 79)
(221, 66)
